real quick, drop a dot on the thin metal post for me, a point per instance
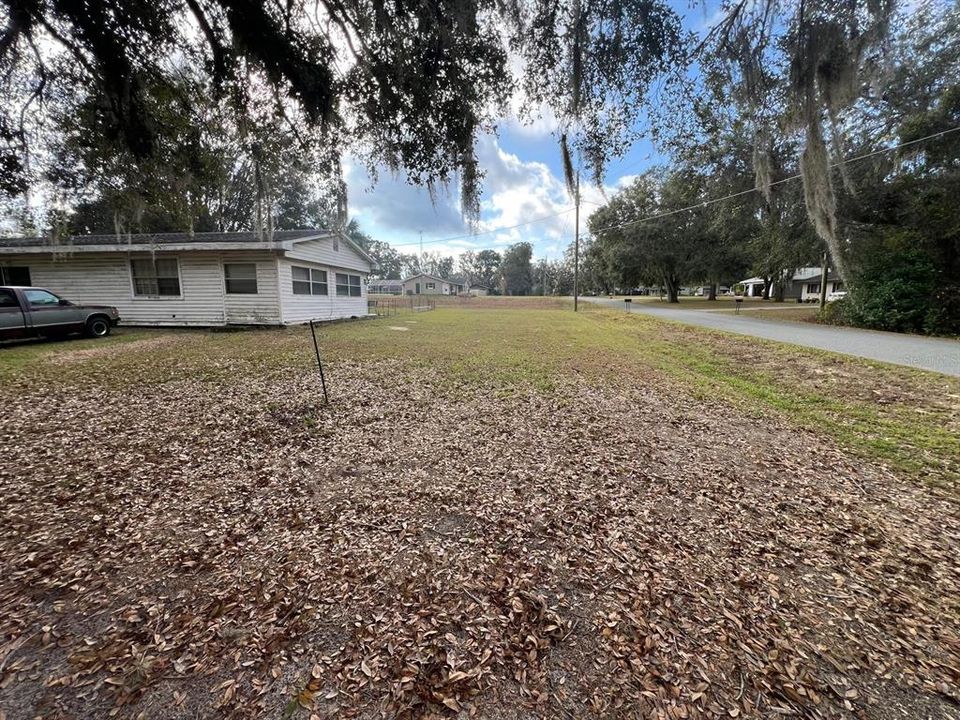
(576, 244)
(316, 349)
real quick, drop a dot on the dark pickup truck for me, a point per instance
(35, 312)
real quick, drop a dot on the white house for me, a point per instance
(200, 279)
(753, 287)
(424, 284)
(796, 284)
(809, 286)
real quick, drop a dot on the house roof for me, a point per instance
(277, 240)
(433, 277)
(178, 238)
(831, 277)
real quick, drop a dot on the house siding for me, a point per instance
(263, 308)
(808, 293)
(440, 287)
(320, 255)
(321, 252)
(104, 279)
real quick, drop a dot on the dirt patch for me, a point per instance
(69, 356)
(425, 546)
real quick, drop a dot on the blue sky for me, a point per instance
(524, 180)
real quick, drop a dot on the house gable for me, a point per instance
(330, 250)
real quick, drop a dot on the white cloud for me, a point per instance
(515, 192)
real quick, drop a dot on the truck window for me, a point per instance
(8, 299)
(41, 298)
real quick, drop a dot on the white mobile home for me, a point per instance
(200, 279)
(424, 284)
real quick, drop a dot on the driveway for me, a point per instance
(936, 354)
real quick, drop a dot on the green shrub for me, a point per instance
(943, 318)
(893, 291)
(836, 312)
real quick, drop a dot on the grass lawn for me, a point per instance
(792, 313)
(506, 511)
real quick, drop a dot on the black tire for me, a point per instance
(97, 327)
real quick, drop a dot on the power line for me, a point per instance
(706, 203)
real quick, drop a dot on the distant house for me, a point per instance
(385, 287)
(795, 284)
(704, 290)
(200, 279)
(478, 289)
(809, 288)
(753, 287)
(424, 284)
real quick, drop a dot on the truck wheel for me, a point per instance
(98, 327)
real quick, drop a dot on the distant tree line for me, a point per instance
(508, 273)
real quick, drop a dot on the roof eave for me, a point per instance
(68, 249)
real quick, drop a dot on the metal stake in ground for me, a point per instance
(316, 349)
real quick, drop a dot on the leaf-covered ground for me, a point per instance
(503, 514)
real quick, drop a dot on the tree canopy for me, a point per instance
(408, 86)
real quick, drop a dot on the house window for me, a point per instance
(15, 275)
(348, 285)
(813, 288)
(837, 286)
(431, 286)
(240, 278)
(154, 277)
(308, 281)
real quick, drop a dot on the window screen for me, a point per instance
(309, 281)
(156, 277)
(240, 278)
(348, 285)
(15, 275)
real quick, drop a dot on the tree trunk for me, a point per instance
(779, 290)
(672, 284)
(766, 288)
(713, 291)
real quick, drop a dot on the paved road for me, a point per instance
(937, 354)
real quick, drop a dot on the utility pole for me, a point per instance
(824, 269)
(421, 252)
(576, 243)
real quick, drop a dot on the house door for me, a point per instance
(418, 288)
